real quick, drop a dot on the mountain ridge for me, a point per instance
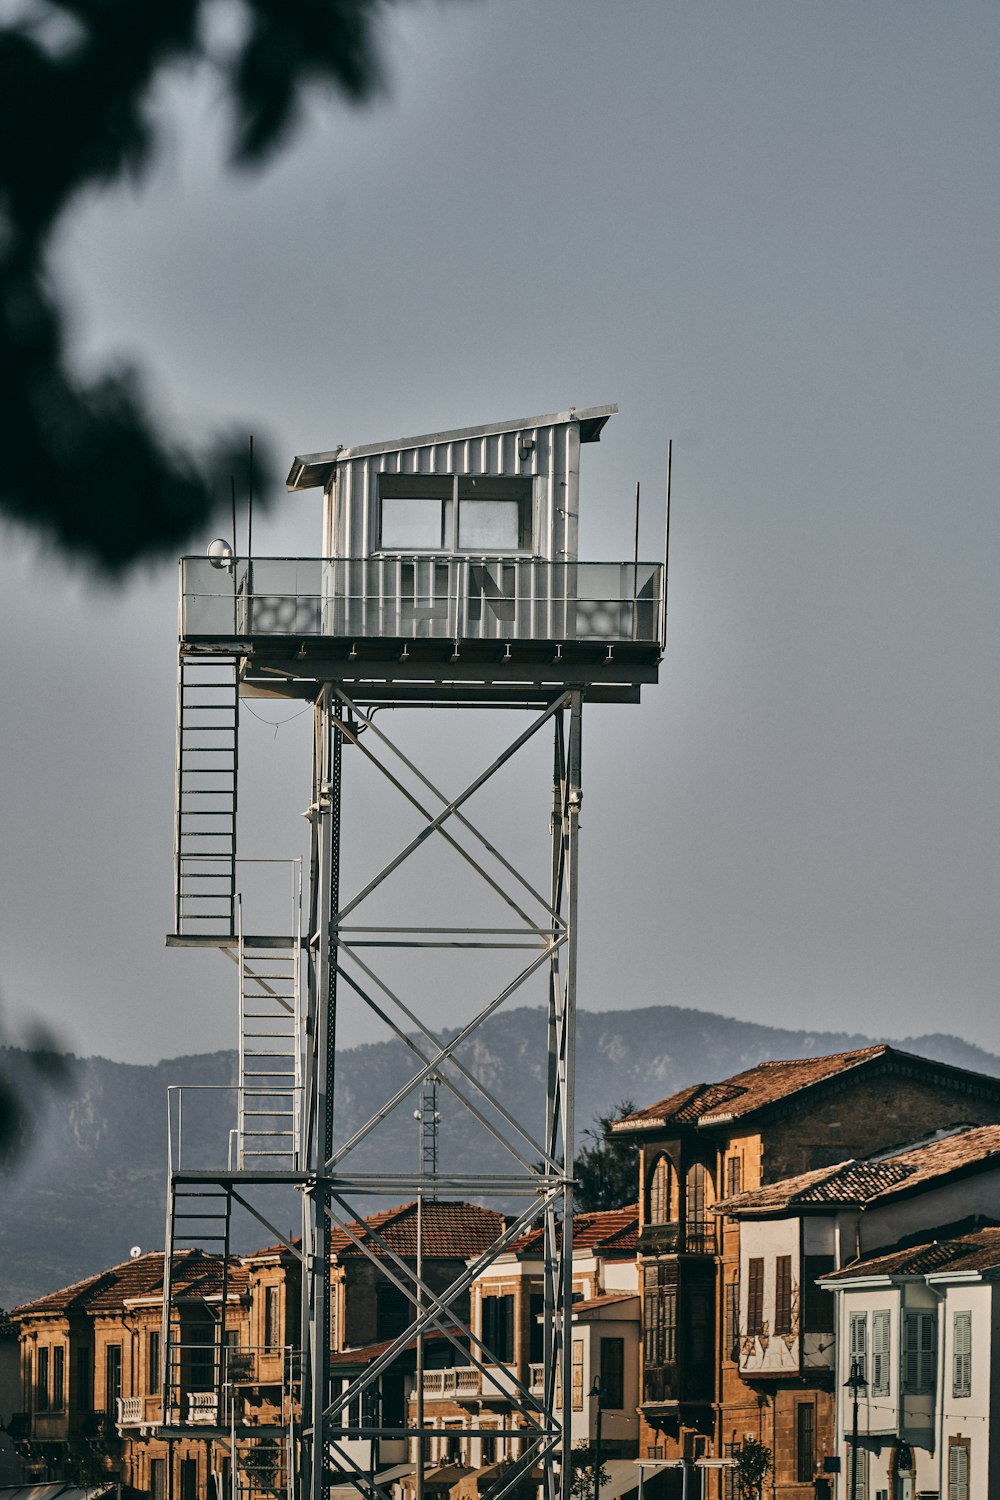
(91, 1181)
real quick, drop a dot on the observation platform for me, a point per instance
(423, 629)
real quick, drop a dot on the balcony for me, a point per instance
(203, 1408)
(132, 1411)
(670, 1239)
(448, 598)
(466, 1383)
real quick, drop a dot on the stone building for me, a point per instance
(711, 1142)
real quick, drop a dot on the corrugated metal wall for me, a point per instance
(553, 459)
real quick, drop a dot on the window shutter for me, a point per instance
(918, 1352)
(958, 1472)
(962, 1354)
(783, 1294)
(859, 1341)
(880, 1352)
(755, 1295)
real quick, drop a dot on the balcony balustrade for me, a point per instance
(449, 598)
(132, 1411)
(466, 1383)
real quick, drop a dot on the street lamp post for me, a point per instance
(598, 1392)
(857, 1385)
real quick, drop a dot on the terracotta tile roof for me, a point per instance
(978, 1251)
(590, 1303)
(769, 1083)
(366, 1354)
(743, 1093)
(451, 1231)
(611, 1232)
(195, 1274)
(961, 1149)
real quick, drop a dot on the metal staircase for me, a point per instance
(270, 1086)
(205, 798)
(199, 1218)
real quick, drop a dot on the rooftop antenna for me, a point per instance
(635, 562)
(232, 496)
(250, 502)
(429, 1118)
(666, 550)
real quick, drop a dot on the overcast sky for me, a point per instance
(769, 231)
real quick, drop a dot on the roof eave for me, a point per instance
(312, 469)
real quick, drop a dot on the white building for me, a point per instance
(921, 1326)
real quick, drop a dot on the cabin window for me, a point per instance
(454, 513)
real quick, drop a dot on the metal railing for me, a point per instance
(202, 1133)
(404, 597)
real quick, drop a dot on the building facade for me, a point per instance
(702, 1389)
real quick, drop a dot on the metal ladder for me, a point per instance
(205, 799)
(199, 1218)
(270, 1083)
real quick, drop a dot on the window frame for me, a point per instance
(805, 1441)
(611, 1362)
(451, 491)
(42, 1379)
(919, 1355)
(658, 1191)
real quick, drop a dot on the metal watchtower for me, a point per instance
(448, 578)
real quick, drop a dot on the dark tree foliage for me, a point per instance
(753, 1464)
(607, 1169)
(28, 1077)
(84, 464)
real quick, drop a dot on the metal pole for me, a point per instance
(855, 1387)
(325, 937)
(597, 1391)
(419, 1489)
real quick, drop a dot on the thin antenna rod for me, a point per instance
(232, 495)
(636, 550)
(635, 569)
(666, 546)
(250, 502)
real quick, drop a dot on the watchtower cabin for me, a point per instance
(449, 572)
(448, 577)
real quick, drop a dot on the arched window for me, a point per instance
(659, 1192)
(700, 1226)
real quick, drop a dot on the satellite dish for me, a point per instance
(220, 553)
(135, 1252)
